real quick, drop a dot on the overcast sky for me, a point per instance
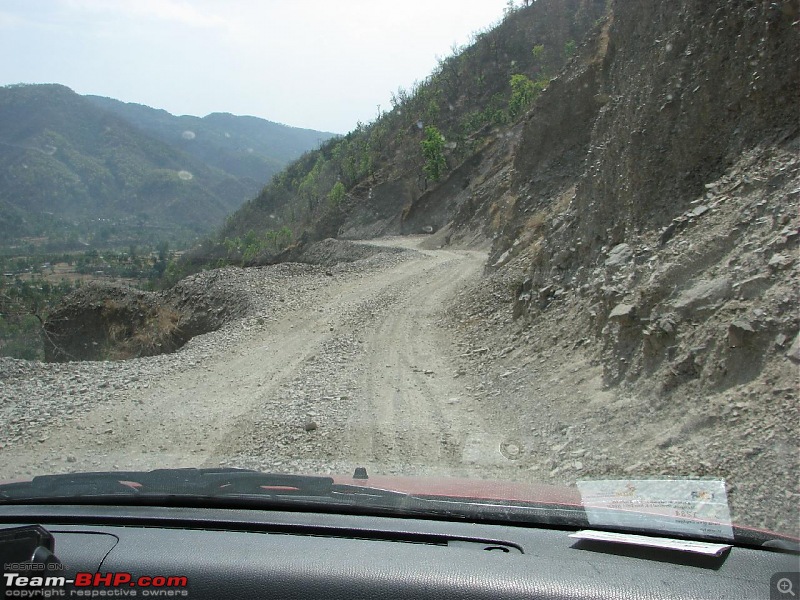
(306, 63)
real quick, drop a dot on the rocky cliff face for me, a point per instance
(663, 101)
(657, 176)
(649, 229)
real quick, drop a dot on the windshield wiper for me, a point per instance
(180, 482)
(188, 484)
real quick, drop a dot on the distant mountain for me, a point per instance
(243, 146)
(97, 169)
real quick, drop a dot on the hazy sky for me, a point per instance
(321, 65)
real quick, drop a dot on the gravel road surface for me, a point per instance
(337, 367)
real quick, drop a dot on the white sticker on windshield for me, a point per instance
(693, 507)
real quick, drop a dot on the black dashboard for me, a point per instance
(217, 553)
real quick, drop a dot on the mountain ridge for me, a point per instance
(69, 168)
(243, 145)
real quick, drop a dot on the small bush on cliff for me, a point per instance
(433, 153)
(337, 194)
(522, 94)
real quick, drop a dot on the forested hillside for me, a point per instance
(75, 172)
(248, 148)
(371, 181)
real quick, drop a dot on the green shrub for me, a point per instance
(337, 194)
(433, 153)
(523, 93)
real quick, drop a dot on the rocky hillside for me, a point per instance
(645, 240)
(645, 198)
(377, 179)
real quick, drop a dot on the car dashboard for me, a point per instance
(233, 553)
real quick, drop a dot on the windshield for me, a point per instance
(532, 257)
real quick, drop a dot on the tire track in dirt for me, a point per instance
(414, 414)
(384, 391)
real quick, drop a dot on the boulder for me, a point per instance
(704, 296)
(794, 350)
(619, 256)
(779, 261)
(753, 287)
(623, 313)
(739, 333)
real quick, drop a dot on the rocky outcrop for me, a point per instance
(656, 188)
(113, 322)
(102, 322)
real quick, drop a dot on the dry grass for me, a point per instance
(156, 332)
(535, 222)
(502, 211)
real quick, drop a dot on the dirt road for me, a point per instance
(358, 374)
(359, 365)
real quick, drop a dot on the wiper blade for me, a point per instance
(161, 482)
